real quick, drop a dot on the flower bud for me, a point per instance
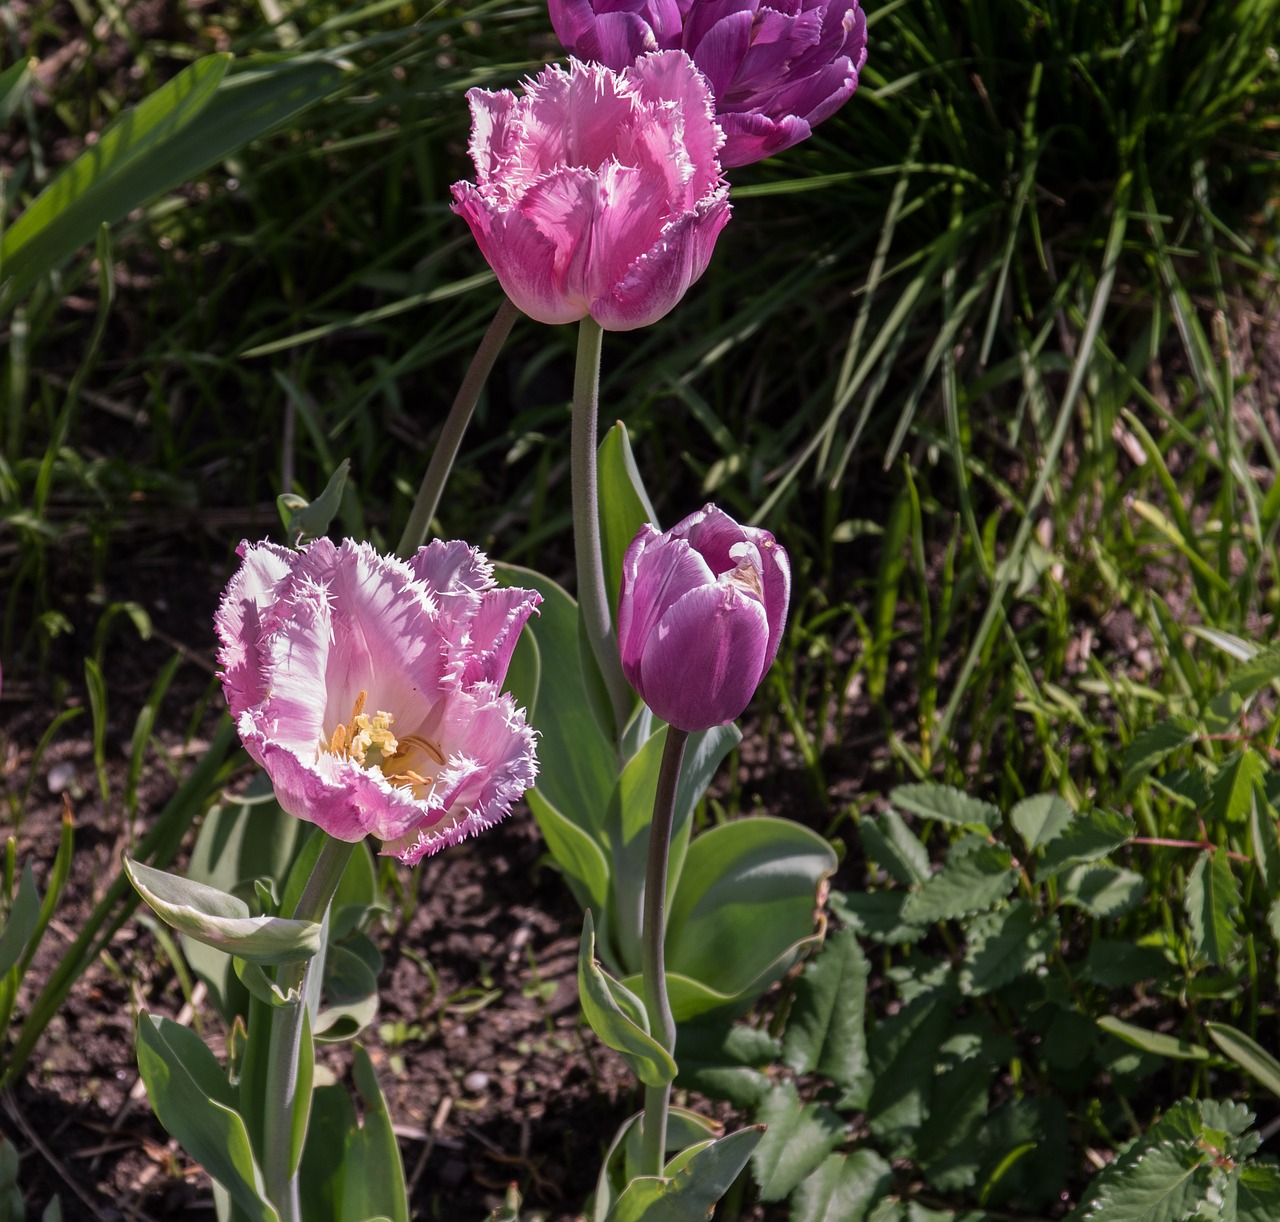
(700, 616)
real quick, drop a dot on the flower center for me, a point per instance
(408, 762)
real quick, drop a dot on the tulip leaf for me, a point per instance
(580, 858)
(743, 910)
(694, 1181)
(221, 920)
(624, 506)
(351, 990)
(577, 761)
(193, 1100)
(617, 1016)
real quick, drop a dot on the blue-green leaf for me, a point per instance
(693, 1185)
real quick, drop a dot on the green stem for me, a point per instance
(662, 1026)
(285, 1040)
(455, 425)
(593, 598)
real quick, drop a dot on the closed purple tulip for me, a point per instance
(700, 616)
(777, 69)
(597, 192)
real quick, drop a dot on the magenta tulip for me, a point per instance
(369, 688)
(700, 616)
(597, 192)
(777, 69)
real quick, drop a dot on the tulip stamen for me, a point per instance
(360, 736)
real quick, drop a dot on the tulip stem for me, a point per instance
(662, 1026)
(455, 425)
(285, 1041)
(593, 597)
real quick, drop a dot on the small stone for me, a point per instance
(475, 1081)
(61, 775)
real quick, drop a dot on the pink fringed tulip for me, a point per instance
(700, 616)
(369, 688)
(597, 192)
(777, 69)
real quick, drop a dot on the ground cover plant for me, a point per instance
(990, 353)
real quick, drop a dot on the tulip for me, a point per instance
(777, 70)
(700, 616)
(597, 192)
(369, 688)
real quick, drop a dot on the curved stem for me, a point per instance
(285, 1041)
(593, 598)
(662, 1026)
(455, 425)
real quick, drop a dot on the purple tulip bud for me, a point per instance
(700, 616)
(777, 68)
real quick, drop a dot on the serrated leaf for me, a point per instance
(825, 1031)
(1165, 1183)
(949, 1144)
(1092, 835)
(1103, 891)
(946, 804)
(727, 1061)
(1257, 1192)
(1118, 965)
(1231, 790)
(889, 842)
(1041, 818)
(1248, 1054)
(842, 1189)
(1154, 1042)
(1212, 900)
(798, 1137)
(969, 882)
(1255, 674)
(1154, 744)
(876, 915)
(1004, 945)
(1266, 846)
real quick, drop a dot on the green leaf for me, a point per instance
(1041, 818)
(193, 1100)
(221, 920)
(825, 1029)
(1165, 1183)
(949, 1143)
(577, 761)
(1212, 901)
(1255, 674)
(876, 915)
(624, 506)
(373, 1180)
(1232, 788)
(576, 852)
(24, 916)
(1257, 1191)
(617, 1016)
(946, 804)
(1120, 965)
(306, 520)
(974, 878)
(15, 80)
(797, 1138)
(693, 1186)
(1092, 835)
(1153, 1041)
(190, 123)
(1102, 891)
(888, 841)
(1154, 744)
(727, 1061)
(1266, 845)
(350, 991)
(1248, 1054)
(1004, 945)
(743, 910)
(904, 1054)
(842, 1189)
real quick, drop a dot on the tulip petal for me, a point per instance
(720, 52)
(239, 620)
(704, 661)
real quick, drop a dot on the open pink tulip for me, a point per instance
(700, 616)
(597, 192)
(777, 69)
(369, 688)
